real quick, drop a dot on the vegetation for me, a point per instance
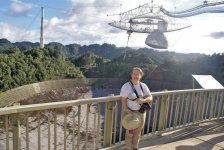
(18, 68)
(23, 63)
(88, 61)
(121, 67)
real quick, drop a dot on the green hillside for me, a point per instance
(23, 62)
(19, 68)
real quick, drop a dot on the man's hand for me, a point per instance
(126, 111)
(149, 101)
(140, 101)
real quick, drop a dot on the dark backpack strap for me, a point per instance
(142, 89)
(135, 89)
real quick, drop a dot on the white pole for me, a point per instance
(42, 28)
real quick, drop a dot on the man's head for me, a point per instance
(137, 74)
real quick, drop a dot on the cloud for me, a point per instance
(217, 35)
(55, 21)
(14, 34)
(18, 8)
(87, 23)
(115, 30)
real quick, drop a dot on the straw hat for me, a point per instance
(131, 121)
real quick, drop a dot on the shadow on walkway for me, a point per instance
(206, 136)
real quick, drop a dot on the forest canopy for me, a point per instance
(24, 63)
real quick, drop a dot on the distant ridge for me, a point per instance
(105, 50)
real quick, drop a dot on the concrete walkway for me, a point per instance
(206, 136)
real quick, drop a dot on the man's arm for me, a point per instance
(146, 99)
(124, 105)
(124, 102)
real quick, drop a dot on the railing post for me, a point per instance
(162, 114)
(16, 130)
(108, 123)
(200, 107)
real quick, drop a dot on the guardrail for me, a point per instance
(96, 123)
(14, 95)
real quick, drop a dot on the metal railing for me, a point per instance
(96, 123)
(26, 91)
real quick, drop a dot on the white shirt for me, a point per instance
(127, 92)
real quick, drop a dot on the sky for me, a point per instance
(86, 22)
